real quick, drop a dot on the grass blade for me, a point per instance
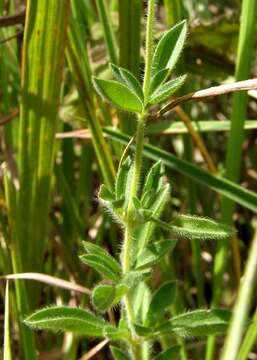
(43, 56)
(108, 31)
(249, 340)
(7, 340)
(242, 306)
(171, 127)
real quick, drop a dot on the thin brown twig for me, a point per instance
(94, 350)
(212, 91)
(7, 118)
(48, 279)
(11, 37)
(11, 20)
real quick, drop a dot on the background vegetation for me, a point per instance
(60, 141)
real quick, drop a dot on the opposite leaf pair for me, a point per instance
(126, 92)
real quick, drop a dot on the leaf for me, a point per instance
(126, 77)
(171, 353)
(103, 296)
(115, 334)
(108, 259)
(169, 47)
(225, 187)
(133, 278)
(119, 354)
(123, 178)
(197, 323)
(194, 227)
(105, 194)
(142, 330)
(141, 301)
(137, 203)
(162, 299)
(154, 179)
(100, 264)
(106, 296)
(158, 79)
(120, 291)
(118, 94)
(153, 252)
(67, 319)
(167, 89)
(144, 233)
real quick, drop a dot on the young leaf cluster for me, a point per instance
(126, 92)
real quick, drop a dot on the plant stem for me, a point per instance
(241, 308)
(128, 238)
(149, 49)
(130, 216)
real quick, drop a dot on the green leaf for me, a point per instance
(197, 323)
(68, 319)
(158, 202)
(100, 264)
(171, 353)
(120, 291)
(137, 203)
(142, 330)
(141, 301)
(194, 227)
(154, 179)
(105, 194)
(153, 252)
(158, 79)
(169, 47)
(107, 258)
(123, 178)
(133, 278)
(119, 354)
(118, 94)
(166, 90)
(162, 299)
(103, 296)
(126, 77)
(115, 334)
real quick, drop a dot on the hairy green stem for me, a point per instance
(130, 216)
(129, 230)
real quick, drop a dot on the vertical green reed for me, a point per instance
(108, 31)
(249, 339)
(28, 205)
(130, 16)
(42, 66)
(234, 148)
(242, 305)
